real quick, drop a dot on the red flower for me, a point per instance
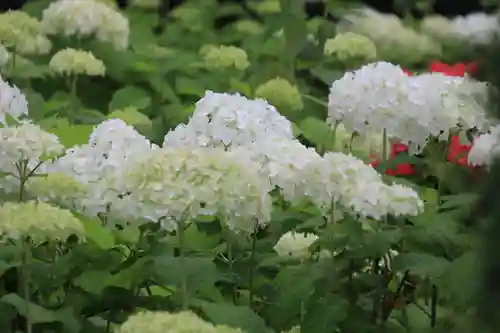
(402, 169)
(407, 71)
(459, 69)
(458, 152)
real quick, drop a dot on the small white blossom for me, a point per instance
(485, 148)
(12, 102)
(295, 245)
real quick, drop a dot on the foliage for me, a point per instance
(416, 274)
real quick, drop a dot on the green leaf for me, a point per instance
(95, 281)
(421, 264)
(294, 286)
(199, 271)
(198, 241)
(36, 104)
(130, 96)
(327, 76)
(72, 135)
(235, 316)
(324, 314)
(190, 87)
(130, 116)
(317, 131)
(97, 233)
(37, 313)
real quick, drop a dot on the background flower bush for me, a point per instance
(276, 175)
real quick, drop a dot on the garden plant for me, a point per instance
(276, 174)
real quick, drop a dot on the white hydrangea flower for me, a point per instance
(295, 245)
(344, 183)
(282, 161)
(76, 62)
(380, 96)
(173, 185)
(485, 148)
(22, 149)
(476, 28)
(12, 102)
(223, 120)
(110, 145)
(87, 18)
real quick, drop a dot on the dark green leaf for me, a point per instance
(235, 316)
(37, 313)
(130, 96)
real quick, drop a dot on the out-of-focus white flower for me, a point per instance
(39, 221)
(12, 102)
(394, 41)
(381, 97)
(438, 27)
(485, 148)
(76, 62)
(221, 57)
(23, 33)
(295, 245)
(87, 18)
(224, 120)
(175, 185)
(475, 28)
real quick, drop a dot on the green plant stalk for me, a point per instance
(25, 249)
(230, 262)
(184, 284)
(25, 279)
(251, 272)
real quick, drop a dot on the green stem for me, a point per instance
(384, 150)
(251, 273)
(230, 260)
(25, 282)
(184, 286)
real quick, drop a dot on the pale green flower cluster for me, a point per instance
(351, 49)
(295, 245)
(57, 188)
(222, 57)
(23, 34)
(39, 221)
(346, 141)
(280, 93)
(176, 184)
(76, 62)
(4, 55)
(160, 322)
(438, 27)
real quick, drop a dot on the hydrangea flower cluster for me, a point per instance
(221, 57)
(23, 33)
(340, 183)
(281, 93)
(382, 97)
(159, 322)
(76, 62)
(485, 148)
(86, 18)
(351, 49)
(394, 40)
(39, 221)
(13, 104)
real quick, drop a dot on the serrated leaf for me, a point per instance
(37, 313)
(130, 96)
(235, 316)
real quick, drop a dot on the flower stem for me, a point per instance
(251, 273)
(184, 286)
(25, 281)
